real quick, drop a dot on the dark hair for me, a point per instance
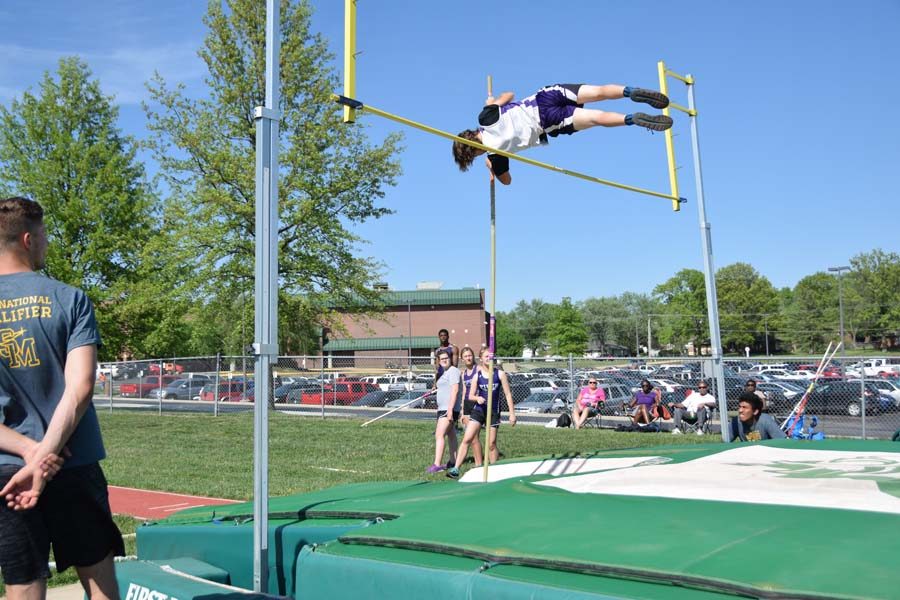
(17, 216)
(643, 381)
(751, 399)
(441, 353)
(463, 154)
(440, 331)
(750, 381)
(463, 351)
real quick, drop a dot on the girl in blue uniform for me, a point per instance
(478, 417)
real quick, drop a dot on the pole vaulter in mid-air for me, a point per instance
(554, 110)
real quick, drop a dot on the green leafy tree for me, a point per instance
(745, 297)
(603, 318)
(684, 299)
(812, 316)
(873, 295)
(639, 307)
(566, 332)
(60, 146)
(331, 177)
(530, 319)
(776, 324)
(509, 341)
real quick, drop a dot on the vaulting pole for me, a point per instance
(490, 390)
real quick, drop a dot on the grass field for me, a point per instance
(213, 456)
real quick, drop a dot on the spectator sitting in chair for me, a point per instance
(750, 386)
(589, 397)
(693, 406)
(643, 403)
(751, 424)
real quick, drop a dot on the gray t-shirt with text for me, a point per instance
(444, 383)
(41, 321)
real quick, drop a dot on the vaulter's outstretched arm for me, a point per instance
(505, 98)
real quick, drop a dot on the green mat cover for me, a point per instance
(559, 537)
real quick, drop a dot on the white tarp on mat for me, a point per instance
(555, 466)
(759, 475)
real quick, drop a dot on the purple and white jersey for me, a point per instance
(521, 125)
(518, 128)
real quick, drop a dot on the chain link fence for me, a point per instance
(854, 396)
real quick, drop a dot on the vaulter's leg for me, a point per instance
(585, 118)
(596, 93)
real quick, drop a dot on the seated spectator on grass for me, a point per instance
(751, 424)
(643, 403)
(589, 397)
(694, 406)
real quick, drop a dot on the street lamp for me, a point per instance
(840, 270)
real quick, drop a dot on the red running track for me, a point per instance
(147, 504)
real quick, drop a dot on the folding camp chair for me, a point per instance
(653, 425)
(594, 417)
(689, 422)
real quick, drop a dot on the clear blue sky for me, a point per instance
(799, 135)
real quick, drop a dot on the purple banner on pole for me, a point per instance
(491, 334)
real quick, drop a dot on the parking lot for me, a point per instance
(856, 397)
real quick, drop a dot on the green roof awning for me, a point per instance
(385, 343)
(420, 297)
(425, 298)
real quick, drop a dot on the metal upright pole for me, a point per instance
(490, 389)
(712, 302)
(841, 308)
(862, 398)
(216, 385)
(265, 347)
(637, 340)
(159, 388)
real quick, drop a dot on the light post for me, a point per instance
(840, 270)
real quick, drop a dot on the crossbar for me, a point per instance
(343, 100)
(685, 110)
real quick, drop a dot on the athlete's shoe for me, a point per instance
(434, 469)
(652, 122)
(453, 473)
(651, 97)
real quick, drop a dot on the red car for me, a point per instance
(227, 391)
(147, 385)
(341, 392)
(827, 372)
(169, 368)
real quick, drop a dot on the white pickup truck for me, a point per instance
(871, 367)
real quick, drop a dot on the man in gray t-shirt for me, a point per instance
(751, 424)
(449, 403)
(48, 357)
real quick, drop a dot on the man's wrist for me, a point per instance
(27, 449)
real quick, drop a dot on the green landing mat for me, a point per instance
(784, 519)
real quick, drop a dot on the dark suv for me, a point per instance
(844, 398)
